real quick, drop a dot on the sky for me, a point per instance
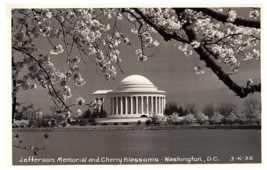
(170, 70)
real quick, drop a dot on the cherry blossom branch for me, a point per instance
(50, 42)
(114, 25)
(239, 21)
(64, 36)
(81, 49)
(242, 92)
(34, 149)
(225, 37)
(166, 36)
(47, 75)
(139, 29)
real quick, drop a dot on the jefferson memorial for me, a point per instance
(134, 96)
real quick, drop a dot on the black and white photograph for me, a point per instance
(135, 84)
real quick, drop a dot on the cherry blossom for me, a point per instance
(80, 101)
(249, 82)
(57, 50)
(199, 70)
(231, 16)
(195, 44)
(254, 14)
(156, 43)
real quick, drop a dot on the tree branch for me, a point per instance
(242, 92)
(47, 75)
(239, 21)
(166, 36)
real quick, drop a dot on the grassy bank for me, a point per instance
(136, 127)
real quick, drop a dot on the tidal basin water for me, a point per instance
(141, 147)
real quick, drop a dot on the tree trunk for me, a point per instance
(14, 96)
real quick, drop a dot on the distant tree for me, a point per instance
(251, 107)
(256, 118)
(18, 115)
(21, 123)
(79, 113)
(95, 114)
(241, 118)
(39, 109)
(102, 114)
(171, 108)
(201, 118)
(159, 119)
(47, 116)
(33, 123)
(191, 108)
(186, 112)
(181, 112)
(216, 118)
(189, 119)
(226, 109)
(208, 110)
(28, 112)
(148, 122)
(231, 118)
(139, 122)
(24, 122)
(87, 114)
(176, 118)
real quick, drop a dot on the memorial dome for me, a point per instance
(134, 96)
(135, 83)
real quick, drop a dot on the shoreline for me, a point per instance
(125, 127)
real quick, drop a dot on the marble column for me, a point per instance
(156, 104)
(131, 105)
(111, 104)
(162, 103)
(147, 107)
(121, 104)
(136, 104)
(126, 107)
(117, 105)
(152, 109)
(142, 105)
(159, 105)
(114, 105)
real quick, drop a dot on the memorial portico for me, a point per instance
(134, 96)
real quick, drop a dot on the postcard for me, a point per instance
(135, 85)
